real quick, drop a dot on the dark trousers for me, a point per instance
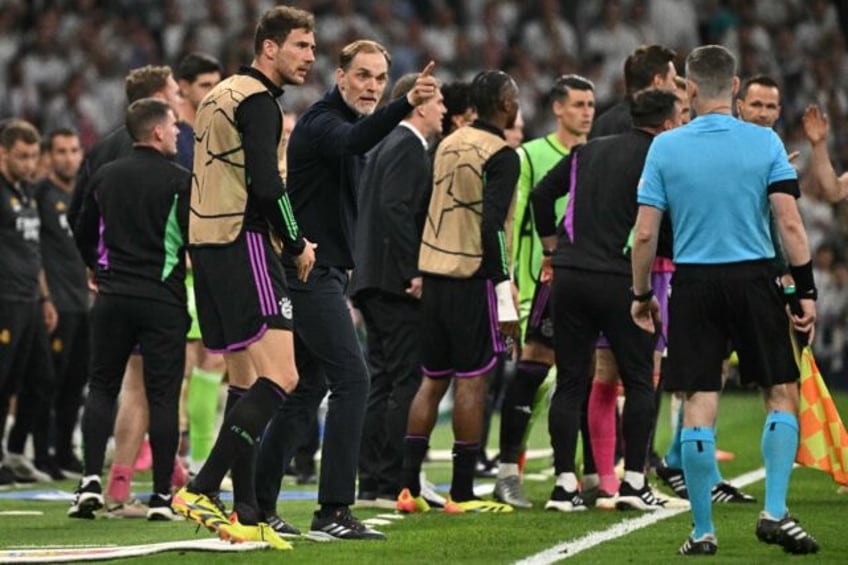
(117, 324)
(394, 358)
(70, 344)
(307, 447)
(25, 370)
(328, 354)
(584, 304)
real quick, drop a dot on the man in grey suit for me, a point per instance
(395, 191)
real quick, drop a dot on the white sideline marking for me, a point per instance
(390, 516)
(22, 513)
(568, 549)
(447, 454)
(376, 522)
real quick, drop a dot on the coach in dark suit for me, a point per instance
(386, 287)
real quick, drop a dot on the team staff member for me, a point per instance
(25, 302)
(649, 66)
(132, 417)
(573, 106)
(240, 218)
(467, 300)
(724, 287)
(325, 156)
(396, 185)
(591, 291)
(66, 277)
(130, 232)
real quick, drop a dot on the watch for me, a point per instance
(642, 297)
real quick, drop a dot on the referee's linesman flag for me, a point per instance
(823, 443)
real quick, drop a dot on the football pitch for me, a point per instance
(535, 535)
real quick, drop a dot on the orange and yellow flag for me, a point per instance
(824, 442)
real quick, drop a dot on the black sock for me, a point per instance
(414, 450)
(234, 394)
(239, 436)
(464, 460)
(243, 475)
(517, 407)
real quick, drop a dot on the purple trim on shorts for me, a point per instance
(436, 374)
(417, 438)
(602, 343)
(102, 250)
(242, 344)
(254, 268)
(478, 372)
(568, 220)
(266, 278)
(497, 343)
(262, 272)
(540, 304)
(136, 350)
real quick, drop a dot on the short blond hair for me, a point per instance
(146, 81)
(351, 50)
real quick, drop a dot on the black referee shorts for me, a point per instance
(240, 291)
(714, 304)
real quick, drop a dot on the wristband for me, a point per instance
(547, 252)
(506, 306)
(45, 298)
(642, 297)
(805, 286)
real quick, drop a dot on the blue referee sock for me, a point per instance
(780, 443)
(673, 458)
(698, 454)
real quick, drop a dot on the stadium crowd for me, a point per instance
(77, 70)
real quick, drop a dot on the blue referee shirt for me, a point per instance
(713, 177)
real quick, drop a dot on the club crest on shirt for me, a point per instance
(15, 204)
(286, 308)
(57, 345)
(5, 336)
(60, 206)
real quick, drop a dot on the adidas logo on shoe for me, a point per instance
(630, 498)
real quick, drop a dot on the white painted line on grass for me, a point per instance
(390, 516)
(568, 549)
(376, 522)
(21, 513)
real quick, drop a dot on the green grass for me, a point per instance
(496, 538)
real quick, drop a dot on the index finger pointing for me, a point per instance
(428, 70)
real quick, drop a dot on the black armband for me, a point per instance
(804, 284)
